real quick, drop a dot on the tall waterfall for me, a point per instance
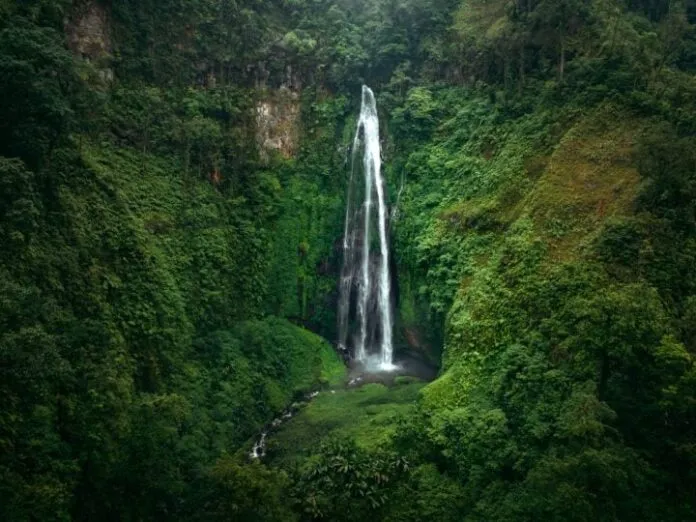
(365, 314)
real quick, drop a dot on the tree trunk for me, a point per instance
(522, 79)
(604, 367)
(506, 71)
(561, 67)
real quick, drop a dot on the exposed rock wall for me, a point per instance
(277, 123)
(88, 31)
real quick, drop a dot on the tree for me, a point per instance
(556, 22)
(38, 82)
(344, 475)
(245, 493)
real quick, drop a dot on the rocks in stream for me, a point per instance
(258, 450)
(355, 381)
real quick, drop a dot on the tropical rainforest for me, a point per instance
(172, 191)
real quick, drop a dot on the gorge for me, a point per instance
(238, 284)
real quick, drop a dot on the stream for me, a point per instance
(358, 375)
(258, 450)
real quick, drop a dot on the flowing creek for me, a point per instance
(258, 450)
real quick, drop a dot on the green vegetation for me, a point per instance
(368, 415)
(172, 177)
(135, 349)
(559, 357)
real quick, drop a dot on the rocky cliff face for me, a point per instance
(88, 31)
(277, 123)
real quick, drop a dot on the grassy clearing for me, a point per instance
(369, 415)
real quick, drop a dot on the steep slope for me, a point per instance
(138, 277)
(542, 238)
(173, 176)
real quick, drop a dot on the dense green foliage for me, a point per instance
(135, 223)
(541, 227)
(159, 261)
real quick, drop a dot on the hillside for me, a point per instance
(174, 184)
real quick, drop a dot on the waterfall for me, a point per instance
(365, 285)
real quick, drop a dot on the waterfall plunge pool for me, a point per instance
(373, 371)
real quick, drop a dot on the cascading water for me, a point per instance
(365, 314)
